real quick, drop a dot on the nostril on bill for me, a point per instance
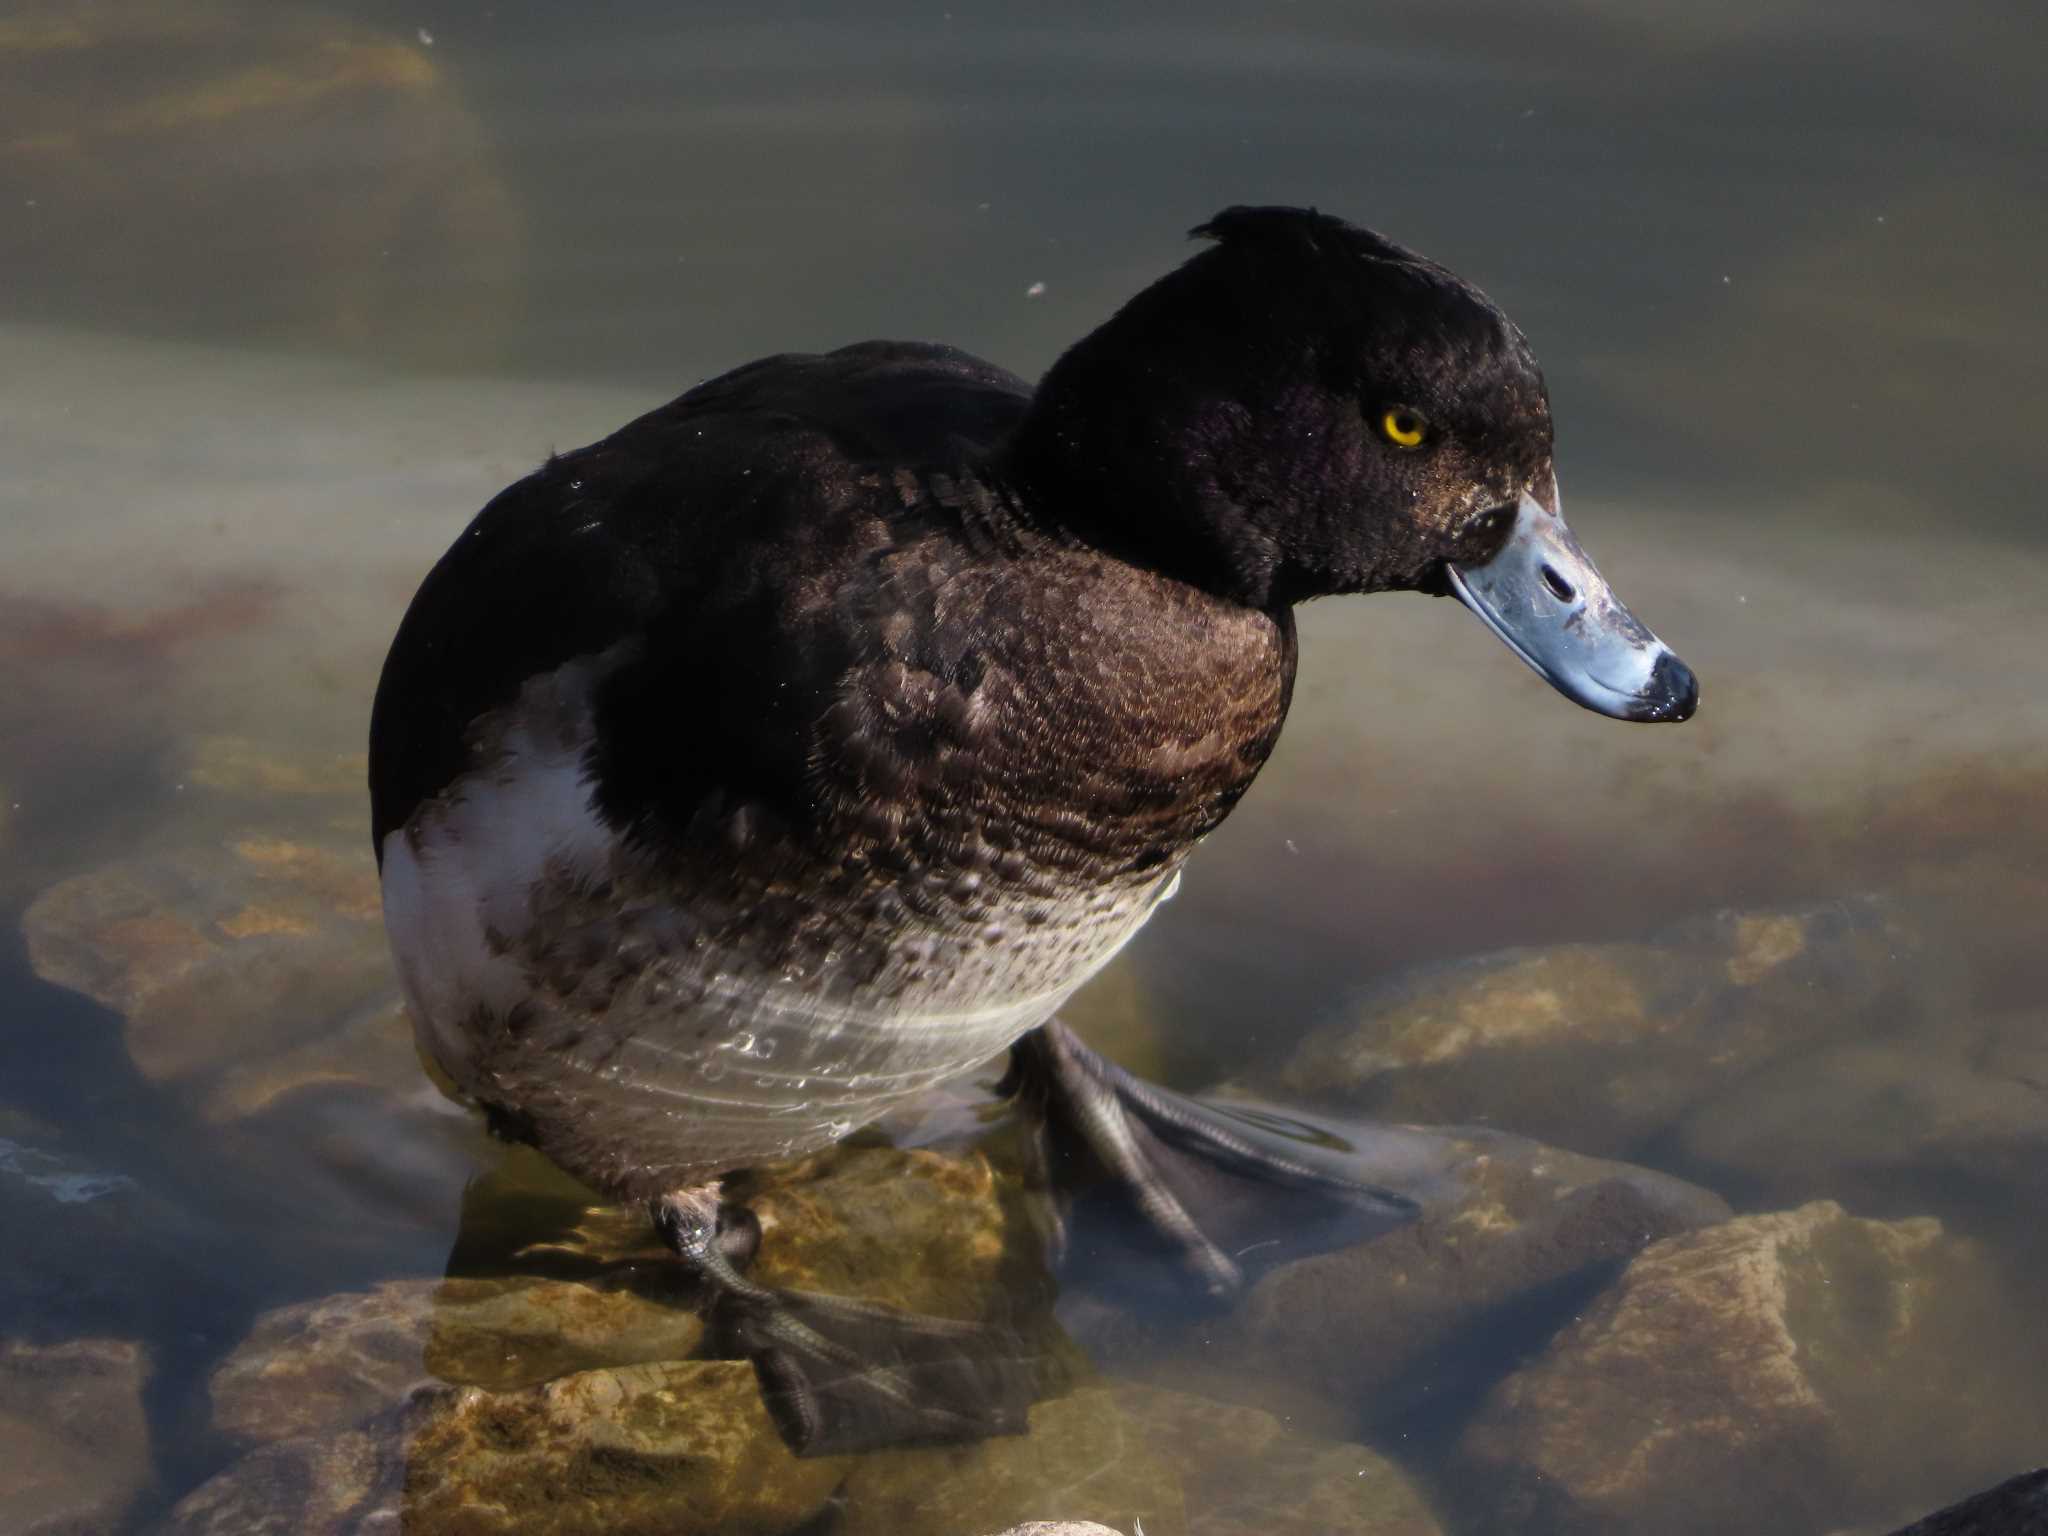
(1559, 587)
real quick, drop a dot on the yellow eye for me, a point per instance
(1403, 427)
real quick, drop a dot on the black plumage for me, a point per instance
(813, 736)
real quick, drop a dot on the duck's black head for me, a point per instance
(1306, 408)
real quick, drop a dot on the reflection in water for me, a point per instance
(1769, 257)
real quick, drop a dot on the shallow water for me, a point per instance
(287, 299)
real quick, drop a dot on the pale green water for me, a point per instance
(267, 349)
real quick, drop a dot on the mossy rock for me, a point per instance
(1790, 1372)
(220, 957)
(676, 1449)
(1602, 1047)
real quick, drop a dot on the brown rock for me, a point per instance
(669, 1450)
(922, 1230)
(1125, 1454)
(337, 1484)
(1573, 992)
(1600, 1046)
(326, 1365)
(1509, 1244)
(1085, 1458)
(331, 1364)
(927, 1231)
(511, 1332)
(372, 1048)
(1783, 1373)
(920, 1234)
(1243, 1473)
(343, 883)
(237, 765)
(218, 955)
(680, 1449)
(1862, 1119)
(74, 1445)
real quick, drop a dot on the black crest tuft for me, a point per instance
(1303, 230)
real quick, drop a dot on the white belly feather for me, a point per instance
(692, 1065)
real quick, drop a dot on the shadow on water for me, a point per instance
(148, 1251)
(131, 1217)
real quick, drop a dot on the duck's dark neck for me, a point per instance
(1189, 434)
(1094, 459)
(1077, 490)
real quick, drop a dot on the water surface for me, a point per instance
(287, 294)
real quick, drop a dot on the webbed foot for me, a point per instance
(841, 1376)
(1222, 1188)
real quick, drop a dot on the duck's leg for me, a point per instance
(841, 1376)
(1211, 1184)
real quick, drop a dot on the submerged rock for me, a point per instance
(238, 765)
(910, 1227)
(684, 1449)
(1784, 1373)
(677, 1449)
(218, 955)
(922, 1230)
(504, 1332)
(1600, 1046)
(674, 1449)
(1131, 1456)
(553, 1290)
(1244, 1473)
(331, 1364)
(253, 984)
(326, 1365)
(74, 1445)
(1084, 1457)
(1874, 1122)
(349, 1483)
(1513, 1236)
(352, 1441)
(371, 1047)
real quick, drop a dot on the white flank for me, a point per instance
(465, 867)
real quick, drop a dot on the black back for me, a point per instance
(684, 526)
(1121, 546)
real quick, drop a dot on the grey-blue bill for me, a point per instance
(1552, 607)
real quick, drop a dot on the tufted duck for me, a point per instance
(813, 737)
